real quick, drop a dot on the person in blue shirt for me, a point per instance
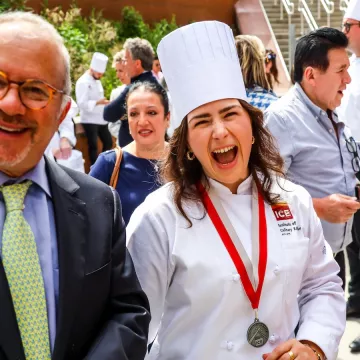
(148, 114)
(251, 53)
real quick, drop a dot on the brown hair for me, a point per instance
(251, 53)
(185, 174)
(274, 72)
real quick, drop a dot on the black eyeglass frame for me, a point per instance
(347, 26)
(352, 148)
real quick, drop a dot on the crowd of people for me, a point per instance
(214, 222)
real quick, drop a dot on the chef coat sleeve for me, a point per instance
(148, 244)
(66, 128)
(116, 109)
(321, 298)
(82, 97)
(282, 132)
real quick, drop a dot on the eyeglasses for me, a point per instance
(352, 148)
(270, 56)
(34, 94)
(347, 26)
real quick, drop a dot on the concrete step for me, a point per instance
(280, 27)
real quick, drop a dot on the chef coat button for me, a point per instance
(273, 339)
(276, 270)
(236, 277)
(230, 345)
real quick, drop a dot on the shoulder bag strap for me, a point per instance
(115, 175)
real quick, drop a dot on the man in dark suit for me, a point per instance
(139, 56)
(68, 288)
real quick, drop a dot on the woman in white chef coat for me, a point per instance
(231, 256)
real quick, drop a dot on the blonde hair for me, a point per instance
(251, 53)
(118, 57)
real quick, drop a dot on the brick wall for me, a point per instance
(153, 10)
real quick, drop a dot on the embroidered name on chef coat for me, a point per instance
(285, 219)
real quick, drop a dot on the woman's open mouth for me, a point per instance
(225, 156)
(145, 132)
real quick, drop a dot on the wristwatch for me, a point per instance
(319, 357)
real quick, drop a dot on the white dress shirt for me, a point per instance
(198, 306)
(315, 156)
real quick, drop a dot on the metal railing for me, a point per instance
(289, 8)
(344, 5)
(307, 15)
(329, 8)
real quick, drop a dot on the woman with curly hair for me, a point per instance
(231, 256)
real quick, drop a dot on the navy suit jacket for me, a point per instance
(103, 312)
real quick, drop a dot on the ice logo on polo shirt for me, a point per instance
(285, 219)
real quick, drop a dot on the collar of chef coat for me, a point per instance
(244, 188)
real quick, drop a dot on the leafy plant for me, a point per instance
(133, 25)
(13, 5)
(84, 35)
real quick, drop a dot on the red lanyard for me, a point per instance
(252, 294)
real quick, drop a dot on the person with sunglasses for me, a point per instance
(349, 113)
(68, 288)
(271, 70)
(313, 140)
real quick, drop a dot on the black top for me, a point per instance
(117, 108)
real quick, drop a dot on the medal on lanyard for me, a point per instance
(258, 332)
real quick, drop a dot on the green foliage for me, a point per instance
(133, 25)
(161, 29)
(83, 35)
(6, 5)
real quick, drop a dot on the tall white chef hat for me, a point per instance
(99, 62)
(353, 10)
(200, 65)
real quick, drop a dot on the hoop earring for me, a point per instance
(253, 140)
(190, 155)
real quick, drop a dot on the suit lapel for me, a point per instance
(10, 340)
(71, 225)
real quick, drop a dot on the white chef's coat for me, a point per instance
(198, 306)
(349, 110)
(88, 92)
(66, 130)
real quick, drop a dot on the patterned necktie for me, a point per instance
(23, 272)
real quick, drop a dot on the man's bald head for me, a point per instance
(31, 26)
